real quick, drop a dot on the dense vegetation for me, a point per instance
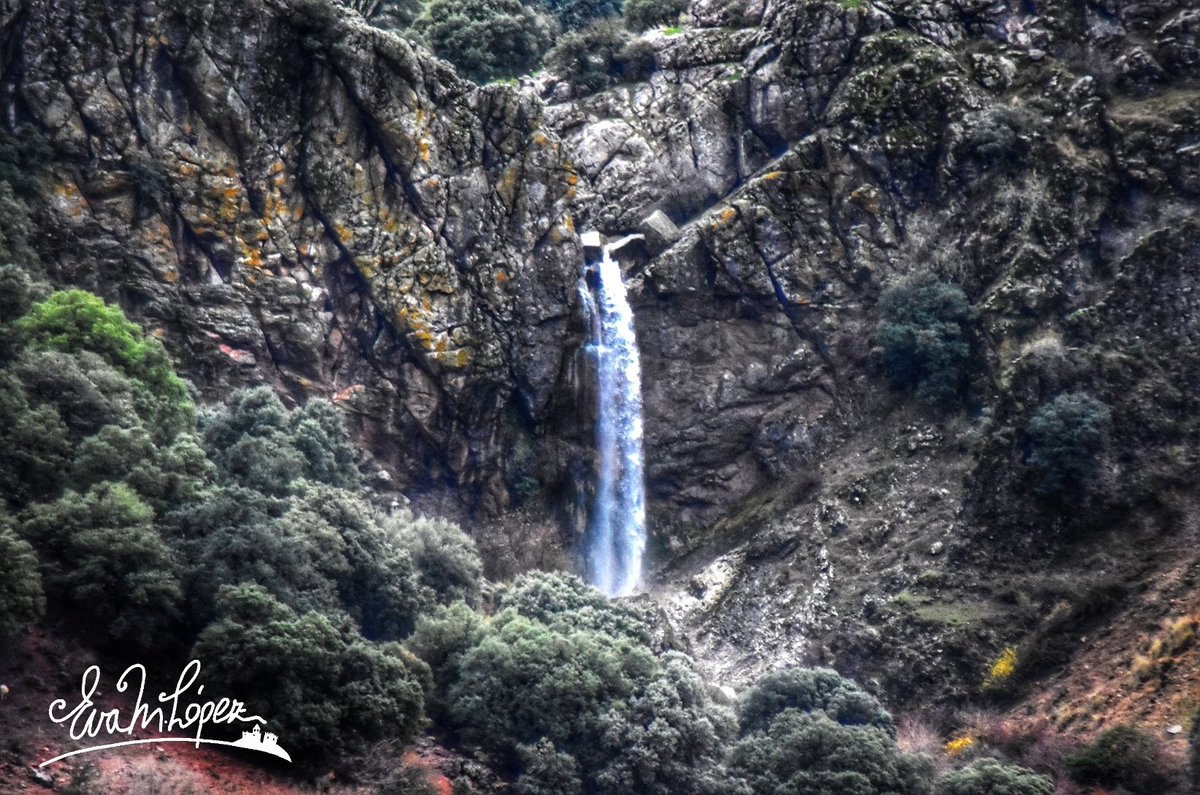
(137, 523)
(591, 43)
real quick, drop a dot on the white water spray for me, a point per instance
(618, 521)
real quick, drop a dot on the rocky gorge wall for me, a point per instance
(288, 195)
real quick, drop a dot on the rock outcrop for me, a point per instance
(291, 196)
(813, 151)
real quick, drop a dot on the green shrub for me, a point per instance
(86, 392)
(22, 601)
(256, 442)
(564, 702)
(441, 639)
(323, 691)
(807, 753)
(924, 331)
(666, 738)
(16, 296)
(380, 586)
(643, 14)
(233, 535)
(318, 432)
(589, 58)
(568, 603)
(74, 320)
(445, 558)
(547, 771)
(990, 777)
(1120, 757)
(811, 690)
(103, 558)
(35, 453)
(1067, 438)
(525, 681)
(321, 549)
(487, 39)
(576, 14)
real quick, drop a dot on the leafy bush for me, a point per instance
(1067, 439)
(990, 777)
(324, 690)
(322, 549)
(445, 558)
(574, 702)
(16, 296)
(35, 447)
(74, 320)
(22, 601)
(487, 39)
(126, 517)
(589, 57)
(811, 690)
(547, 771)
(379, 584)
(643, 14)
(556, 684)
(256, 442)
(808, 753)
(102, 556)
(576, 14)
(566, 602)
(924, 331)
(441, 639)
(1120, 757)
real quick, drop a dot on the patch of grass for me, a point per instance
(1159, 653)
(957, 614)
(1057, 638)
(930, 578)
(673, 31)
(954, 614)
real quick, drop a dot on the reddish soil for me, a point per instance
(39, 668)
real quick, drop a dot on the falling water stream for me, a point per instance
(618, 517)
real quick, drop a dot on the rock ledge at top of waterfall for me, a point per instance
(594, 243)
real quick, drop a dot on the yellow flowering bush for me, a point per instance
(960, 745)
(1001, 669)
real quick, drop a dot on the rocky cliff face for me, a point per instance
(292, 196)
(1046, 159)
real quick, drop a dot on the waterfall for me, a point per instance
(618, 519)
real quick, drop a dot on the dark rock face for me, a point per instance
(1045, 161)
(294, 197)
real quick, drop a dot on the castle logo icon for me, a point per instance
(257, 740)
